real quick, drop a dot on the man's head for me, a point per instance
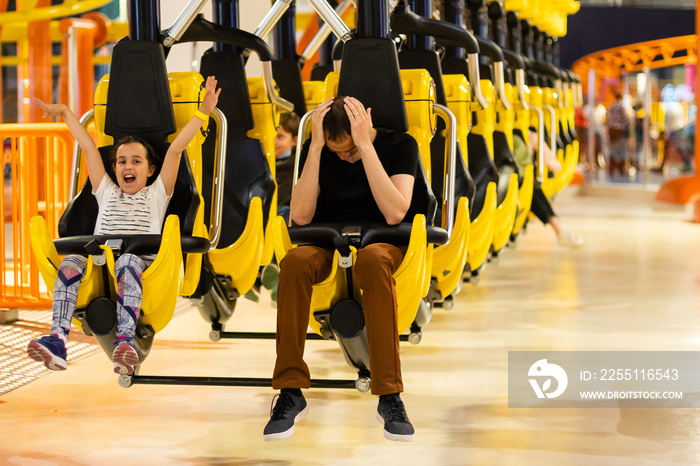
(336, 126)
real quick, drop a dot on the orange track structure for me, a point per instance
(612, 63)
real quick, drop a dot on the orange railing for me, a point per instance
(36, 183)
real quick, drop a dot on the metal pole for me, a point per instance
(590, 144)
(73, 89)
(646, 144)
(339, 28)
(272, 18)
(144, 20)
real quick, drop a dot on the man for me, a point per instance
(352, 173)
(618, 124)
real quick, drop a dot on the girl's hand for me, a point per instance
(50, 110)
(318, 136)
(211, 97)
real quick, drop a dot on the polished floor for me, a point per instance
(634, 285)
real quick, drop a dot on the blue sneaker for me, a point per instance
(50, 350)
(125, 357)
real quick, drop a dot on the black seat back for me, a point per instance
(464, 184)
(248, 173)
(138, 104)
(370, 72)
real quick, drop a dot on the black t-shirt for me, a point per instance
(345, 195)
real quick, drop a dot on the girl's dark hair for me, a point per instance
(336, 123)
(151, 156)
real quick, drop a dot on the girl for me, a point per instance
(128, 207)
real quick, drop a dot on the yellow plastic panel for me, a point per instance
(505, 214)
(458, 99)
(419, 99)
(265, 128)
(486, 118)
(481, 234)
(524, 198)
(241, 260)
(449, 260)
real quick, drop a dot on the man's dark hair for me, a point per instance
(336, 123)
(151, 156)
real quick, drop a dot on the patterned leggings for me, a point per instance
(128, 269)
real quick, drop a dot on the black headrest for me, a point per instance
(370, 72)
(138, 98)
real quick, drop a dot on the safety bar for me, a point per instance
(183, 22)
(269, 86)
(303, 126)
(475, 80)
(323, 32)
(518, 64)
(552, 127)
(279, 8)
(566, 85)
(520, 84)
(202, 30)
(448, 196)
(328, 14)
(218, 185)
(73, 190)
(499, 75)
(495, 53)
(404, 21)
(558, 88)
(218, 188)
(450, 150)
(540, 142)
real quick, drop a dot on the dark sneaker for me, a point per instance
(392, 414)
(125, 358)
(50, 350)
(288, 410)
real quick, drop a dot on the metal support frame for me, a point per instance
(328, 14)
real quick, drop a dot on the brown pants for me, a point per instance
(306, 266)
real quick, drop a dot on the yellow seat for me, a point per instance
(161, 280)
(447, 262)
(481, 227)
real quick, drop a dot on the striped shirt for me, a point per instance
(130, 214)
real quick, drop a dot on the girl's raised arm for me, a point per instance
(171, 163)
(93, 159)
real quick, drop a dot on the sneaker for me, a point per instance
(570, 240)
(392, 414)
(50, 350)
(253, 295)
(288, 410)
(125, 358)
(270, 277)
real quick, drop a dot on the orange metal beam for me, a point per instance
(686, 189)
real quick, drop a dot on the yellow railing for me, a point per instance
(28, 10)
(36, 182)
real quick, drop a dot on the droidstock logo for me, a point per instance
(541, 374)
